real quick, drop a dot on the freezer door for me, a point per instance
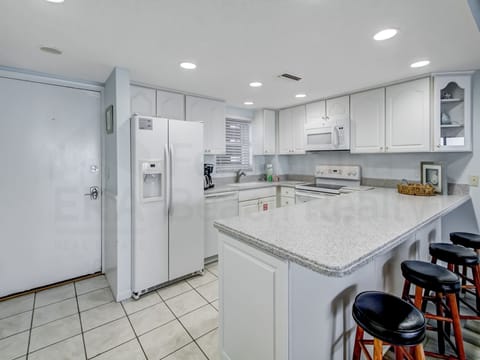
(149, 164)
(186, 226)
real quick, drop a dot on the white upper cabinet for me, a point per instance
(212, 114)
(170, 105)
(316, 114)
(285, 126)
(338, 108)
(142, 101)
(452, 117)
(298, 116)
(291, 130)
(407, 127)
(367, 116)
(264, 133)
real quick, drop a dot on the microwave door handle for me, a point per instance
(335, 136)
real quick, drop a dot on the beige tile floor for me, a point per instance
(82, 321)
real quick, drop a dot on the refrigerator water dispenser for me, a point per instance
(152, 180)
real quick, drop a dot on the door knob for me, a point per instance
(94, 192)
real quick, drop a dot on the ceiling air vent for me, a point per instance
(290, 77)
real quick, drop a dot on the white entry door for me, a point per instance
(49, 158)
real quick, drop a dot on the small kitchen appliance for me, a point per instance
(207, 174)
(331, 180)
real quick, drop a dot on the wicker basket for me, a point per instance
(416, 189)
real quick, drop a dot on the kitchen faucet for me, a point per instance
(239, 174)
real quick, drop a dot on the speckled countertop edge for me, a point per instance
(329, 270)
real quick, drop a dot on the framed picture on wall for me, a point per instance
(434, 174)
(109, 120)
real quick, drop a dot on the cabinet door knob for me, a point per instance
(438, 146)
(381, 147)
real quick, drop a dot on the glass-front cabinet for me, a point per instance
(452, 111)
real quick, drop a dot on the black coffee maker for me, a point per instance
(207, 172)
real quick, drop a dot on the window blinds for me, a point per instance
(237, 136)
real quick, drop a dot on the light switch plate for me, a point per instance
(474, 180)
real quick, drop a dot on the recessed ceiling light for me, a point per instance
(301, 95)
(56, 1)
(51, 50)
(188, 65)
(419, 64)
(385, 34)
(256, 84)
(248, 103)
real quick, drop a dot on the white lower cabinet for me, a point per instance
(287, 196)
(255, 285)
(247, 207)
(256, 200)
(286, 201)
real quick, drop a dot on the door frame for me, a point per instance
(50, 79)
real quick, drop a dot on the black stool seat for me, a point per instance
(430, 276)
(469, 240)
(389, 318)
(454, 254)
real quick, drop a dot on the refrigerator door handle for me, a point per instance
(167, 181)
(170, 179)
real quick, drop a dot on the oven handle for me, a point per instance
(313, 194)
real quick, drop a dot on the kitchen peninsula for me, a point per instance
(288, 278)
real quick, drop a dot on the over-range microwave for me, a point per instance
(333, 135)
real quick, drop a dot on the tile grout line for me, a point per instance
(31, 325)
(134, 332)
(80, 320)
(178, 319)
(52, 303)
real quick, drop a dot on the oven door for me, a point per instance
(306, 196)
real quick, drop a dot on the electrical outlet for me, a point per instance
(473, 180)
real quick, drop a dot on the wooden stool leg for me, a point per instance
(457, 327)
(464, 278)
(440, 324)
(476, 280)
(377, 349)
(419, 353)
(357, 349)
(399, 355)
(418, 297)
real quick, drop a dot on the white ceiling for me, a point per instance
(327, 42)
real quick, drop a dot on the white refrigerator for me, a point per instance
(167, 201)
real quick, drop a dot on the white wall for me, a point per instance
(117, 195)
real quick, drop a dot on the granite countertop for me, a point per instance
(250, 185)
(338, 234)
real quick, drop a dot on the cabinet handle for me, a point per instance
(381, 147)
(438, 146)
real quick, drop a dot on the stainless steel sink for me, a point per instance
(250, 184)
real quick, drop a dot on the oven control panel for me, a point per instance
(346, 172)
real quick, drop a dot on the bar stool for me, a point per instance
(457, 256)
(391, 321)
(469, 240)
(446, 286)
